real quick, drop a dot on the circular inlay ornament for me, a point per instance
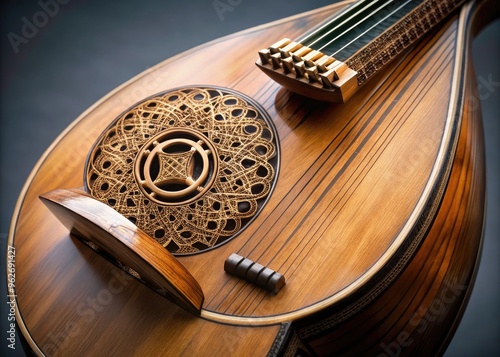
(176, 166)
(191, 167)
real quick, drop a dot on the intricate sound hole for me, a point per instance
(176, 166)
(191, 167)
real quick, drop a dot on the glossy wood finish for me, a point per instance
(111, 234)
(360, 191)
(425, 303)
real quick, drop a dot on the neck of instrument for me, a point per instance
(330, 62)
(370, 33)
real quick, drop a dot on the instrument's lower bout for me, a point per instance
(418, 314)
(375, 220)
(425, 303)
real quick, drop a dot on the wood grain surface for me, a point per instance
(376, 218)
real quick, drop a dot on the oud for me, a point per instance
(345, 170)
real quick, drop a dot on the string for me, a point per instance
(348, 10)
(364, 33)
(345, 22)
(353, 26)
(358, 8)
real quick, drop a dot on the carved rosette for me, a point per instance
(191, 167)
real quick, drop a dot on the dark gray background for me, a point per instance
(89, 47)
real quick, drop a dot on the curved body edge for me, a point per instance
(418, 314)
(399, 255)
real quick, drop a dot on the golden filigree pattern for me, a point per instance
(174, 166)
(221, 148)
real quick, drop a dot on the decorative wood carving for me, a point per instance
(191, 167)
